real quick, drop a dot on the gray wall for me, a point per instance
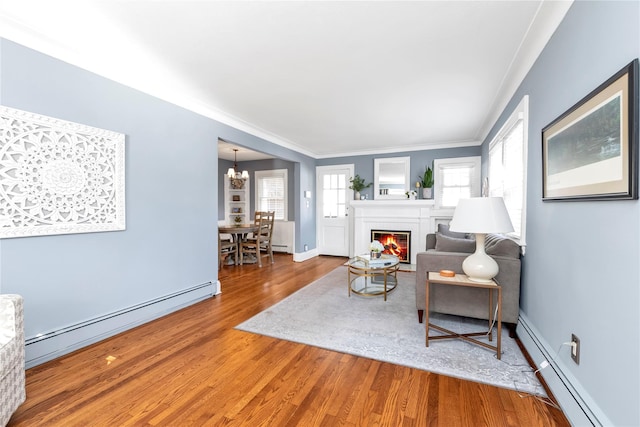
(171, 174)
(580, 272)
(363, 165)
(79, 288)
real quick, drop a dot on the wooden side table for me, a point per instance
(463, 280)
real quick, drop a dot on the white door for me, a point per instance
(332, 188)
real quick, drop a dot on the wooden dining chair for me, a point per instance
(259, 244)
(225, 248)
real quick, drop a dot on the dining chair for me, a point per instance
(225, 248)
(260, 242)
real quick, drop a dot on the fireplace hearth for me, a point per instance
(395, 242)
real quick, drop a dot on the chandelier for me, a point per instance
(234, 173)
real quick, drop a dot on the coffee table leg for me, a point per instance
(385, 283)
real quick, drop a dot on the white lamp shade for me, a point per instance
(481, 215)
(231, 172)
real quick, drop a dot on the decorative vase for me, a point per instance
(375, 255)
(357, 195)
(427, 193)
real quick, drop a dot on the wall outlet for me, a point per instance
(575, 349)
(306, 248)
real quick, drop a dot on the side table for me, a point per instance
(463, 280)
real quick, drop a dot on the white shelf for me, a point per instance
(236, 208)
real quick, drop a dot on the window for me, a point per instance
(271, 192)
(508, 167)
(334, 200)
(457, 178)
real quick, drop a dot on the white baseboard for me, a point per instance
(575, 402)
(53, 344)
(304, 256)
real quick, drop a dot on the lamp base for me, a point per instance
(479, 266)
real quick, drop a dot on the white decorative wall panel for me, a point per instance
(58, 177)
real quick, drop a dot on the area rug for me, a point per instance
(323, 315)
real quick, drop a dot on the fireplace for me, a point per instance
(396, 243)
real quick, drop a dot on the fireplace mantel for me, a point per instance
(418, 216)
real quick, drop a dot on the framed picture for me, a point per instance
(591, 151)
(236, 198)
(236, 210)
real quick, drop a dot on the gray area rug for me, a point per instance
(323, 315)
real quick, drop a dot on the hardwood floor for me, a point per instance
(193, 368)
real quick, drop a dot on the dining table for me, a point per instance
(239, 233)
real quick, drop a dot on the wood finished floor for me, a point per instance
(192, 368)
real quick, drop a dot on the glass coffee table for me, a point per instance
(373, 278)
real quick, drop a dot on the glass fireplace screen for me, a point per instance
(396, 243)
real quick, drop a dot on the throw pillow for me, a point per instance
(444, 229)
(498, 245)
(446, 243)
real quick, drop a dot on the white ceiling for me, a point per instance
(326, 78)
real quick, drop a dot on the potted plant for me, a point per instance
(358, 184)
(375, 249)
(426, 182)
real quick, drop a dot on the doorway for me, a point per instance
(332, 216)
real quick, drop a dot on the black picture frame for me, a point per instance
(591, 151)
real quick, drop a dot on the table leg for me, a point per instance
(426, 310)
(385, 283)
(237, 255)
(490, 314)
(499, 343)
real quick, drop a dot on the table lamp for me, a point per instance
(481, 215)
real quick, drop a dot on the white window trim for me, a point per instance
(440, 164)
(274, 173)
(521, 111)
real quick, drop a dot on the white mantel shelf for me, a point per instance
(399, 202)
(418, 216)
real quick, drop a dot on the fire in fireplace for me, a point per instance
(396, 243)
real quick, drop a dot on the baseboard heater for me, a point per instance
(575, 403)
(283, 236)
(282, 248)
(47, 346)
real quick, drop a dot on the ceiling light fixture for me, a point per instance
(233, 172)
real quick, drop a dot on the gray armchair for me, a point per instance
(12, 378)
(447, 251)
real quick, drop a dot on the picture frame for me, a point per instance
(591, 151)
(235, 198)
